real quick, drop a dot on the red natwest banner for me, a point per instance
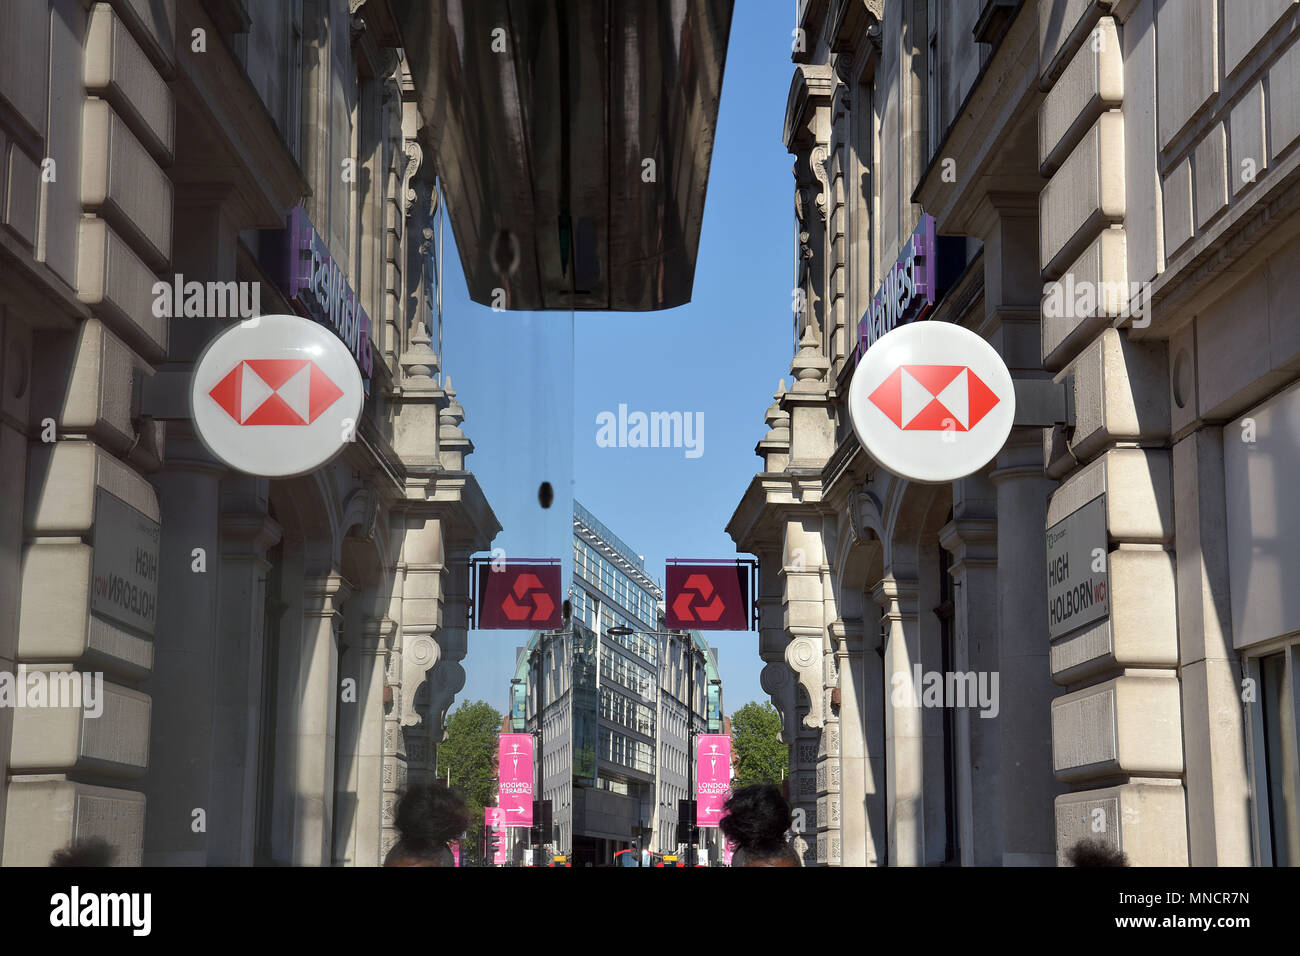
(708, 597)
(519, 596)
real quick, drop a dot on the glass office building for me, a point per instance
(615, 720)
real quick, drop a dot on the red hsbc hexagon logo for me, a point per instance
(275, 392)
(519, 596)
(707, 597)
(934, 398)
(931, 401)
(277, 395)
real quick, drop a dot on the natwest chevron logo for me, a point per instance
(275, 392)
(518, 595)
(707, 597)
(686, 606)
(934, 398)
(528, 600)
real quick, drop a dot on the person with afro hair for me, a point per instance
(1095, 853)
(756, 820)
(429, 816)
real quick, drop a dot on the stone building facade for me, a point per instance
(1118, 183)
(290, 647)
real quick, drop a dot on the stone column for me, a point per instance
(904, 740)
(804, 621)
(1025, 683)
(1008, 224)
(874, 703)
(973, 544)
(237, 706)
(314, 667)
(360, 782)
(849, 811)
(1218, 780)
(15, 391)
(181, 749)
(376, 776)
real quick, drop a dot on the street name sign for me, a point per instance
(1078, 569)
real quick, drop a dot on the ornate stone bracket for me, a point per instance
(804, 655)
(444, 685)
(817, 160)
(414, 157)
(420, 652)
(774, 679)
(366, 502)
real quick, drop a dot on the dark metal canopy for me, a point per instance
(542, 115)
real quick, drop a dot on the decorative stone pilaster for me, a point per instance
(847, 746)
(1024, 653)
(310, 744)
(973, 543)
(237, 709)
(904, 740)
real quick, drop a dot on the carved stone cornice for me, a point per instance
(851, 22)
(896, 597)
(973, 542)
(810, 16)
(323, 595)
(249, 536)
(811, 87)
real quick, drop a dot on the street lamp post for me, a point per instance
(539, 795)
(690, 748)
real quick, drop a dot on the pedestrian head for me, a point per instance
(91, 851)
(1094, 852)
(428, 817)
(756, 822)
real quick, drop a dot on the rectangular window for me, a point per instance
(934, 89)
(1277, 699)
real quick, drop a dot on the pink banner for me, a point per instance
(455, 852)
(712, 777)
(494, 819)
(515, 778)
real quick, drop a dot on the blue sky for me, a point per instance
(533, 383)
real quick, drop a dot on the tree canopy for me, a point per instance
(469, 754)
(760, 756)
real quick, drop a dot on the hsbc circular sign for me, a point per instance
(277, 395)
(932, 401)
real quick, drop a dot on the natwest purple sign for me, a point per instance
(913, 284)
(300, 263)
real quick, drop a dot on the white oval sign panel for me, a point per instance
(276, 396)
(932, 401)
